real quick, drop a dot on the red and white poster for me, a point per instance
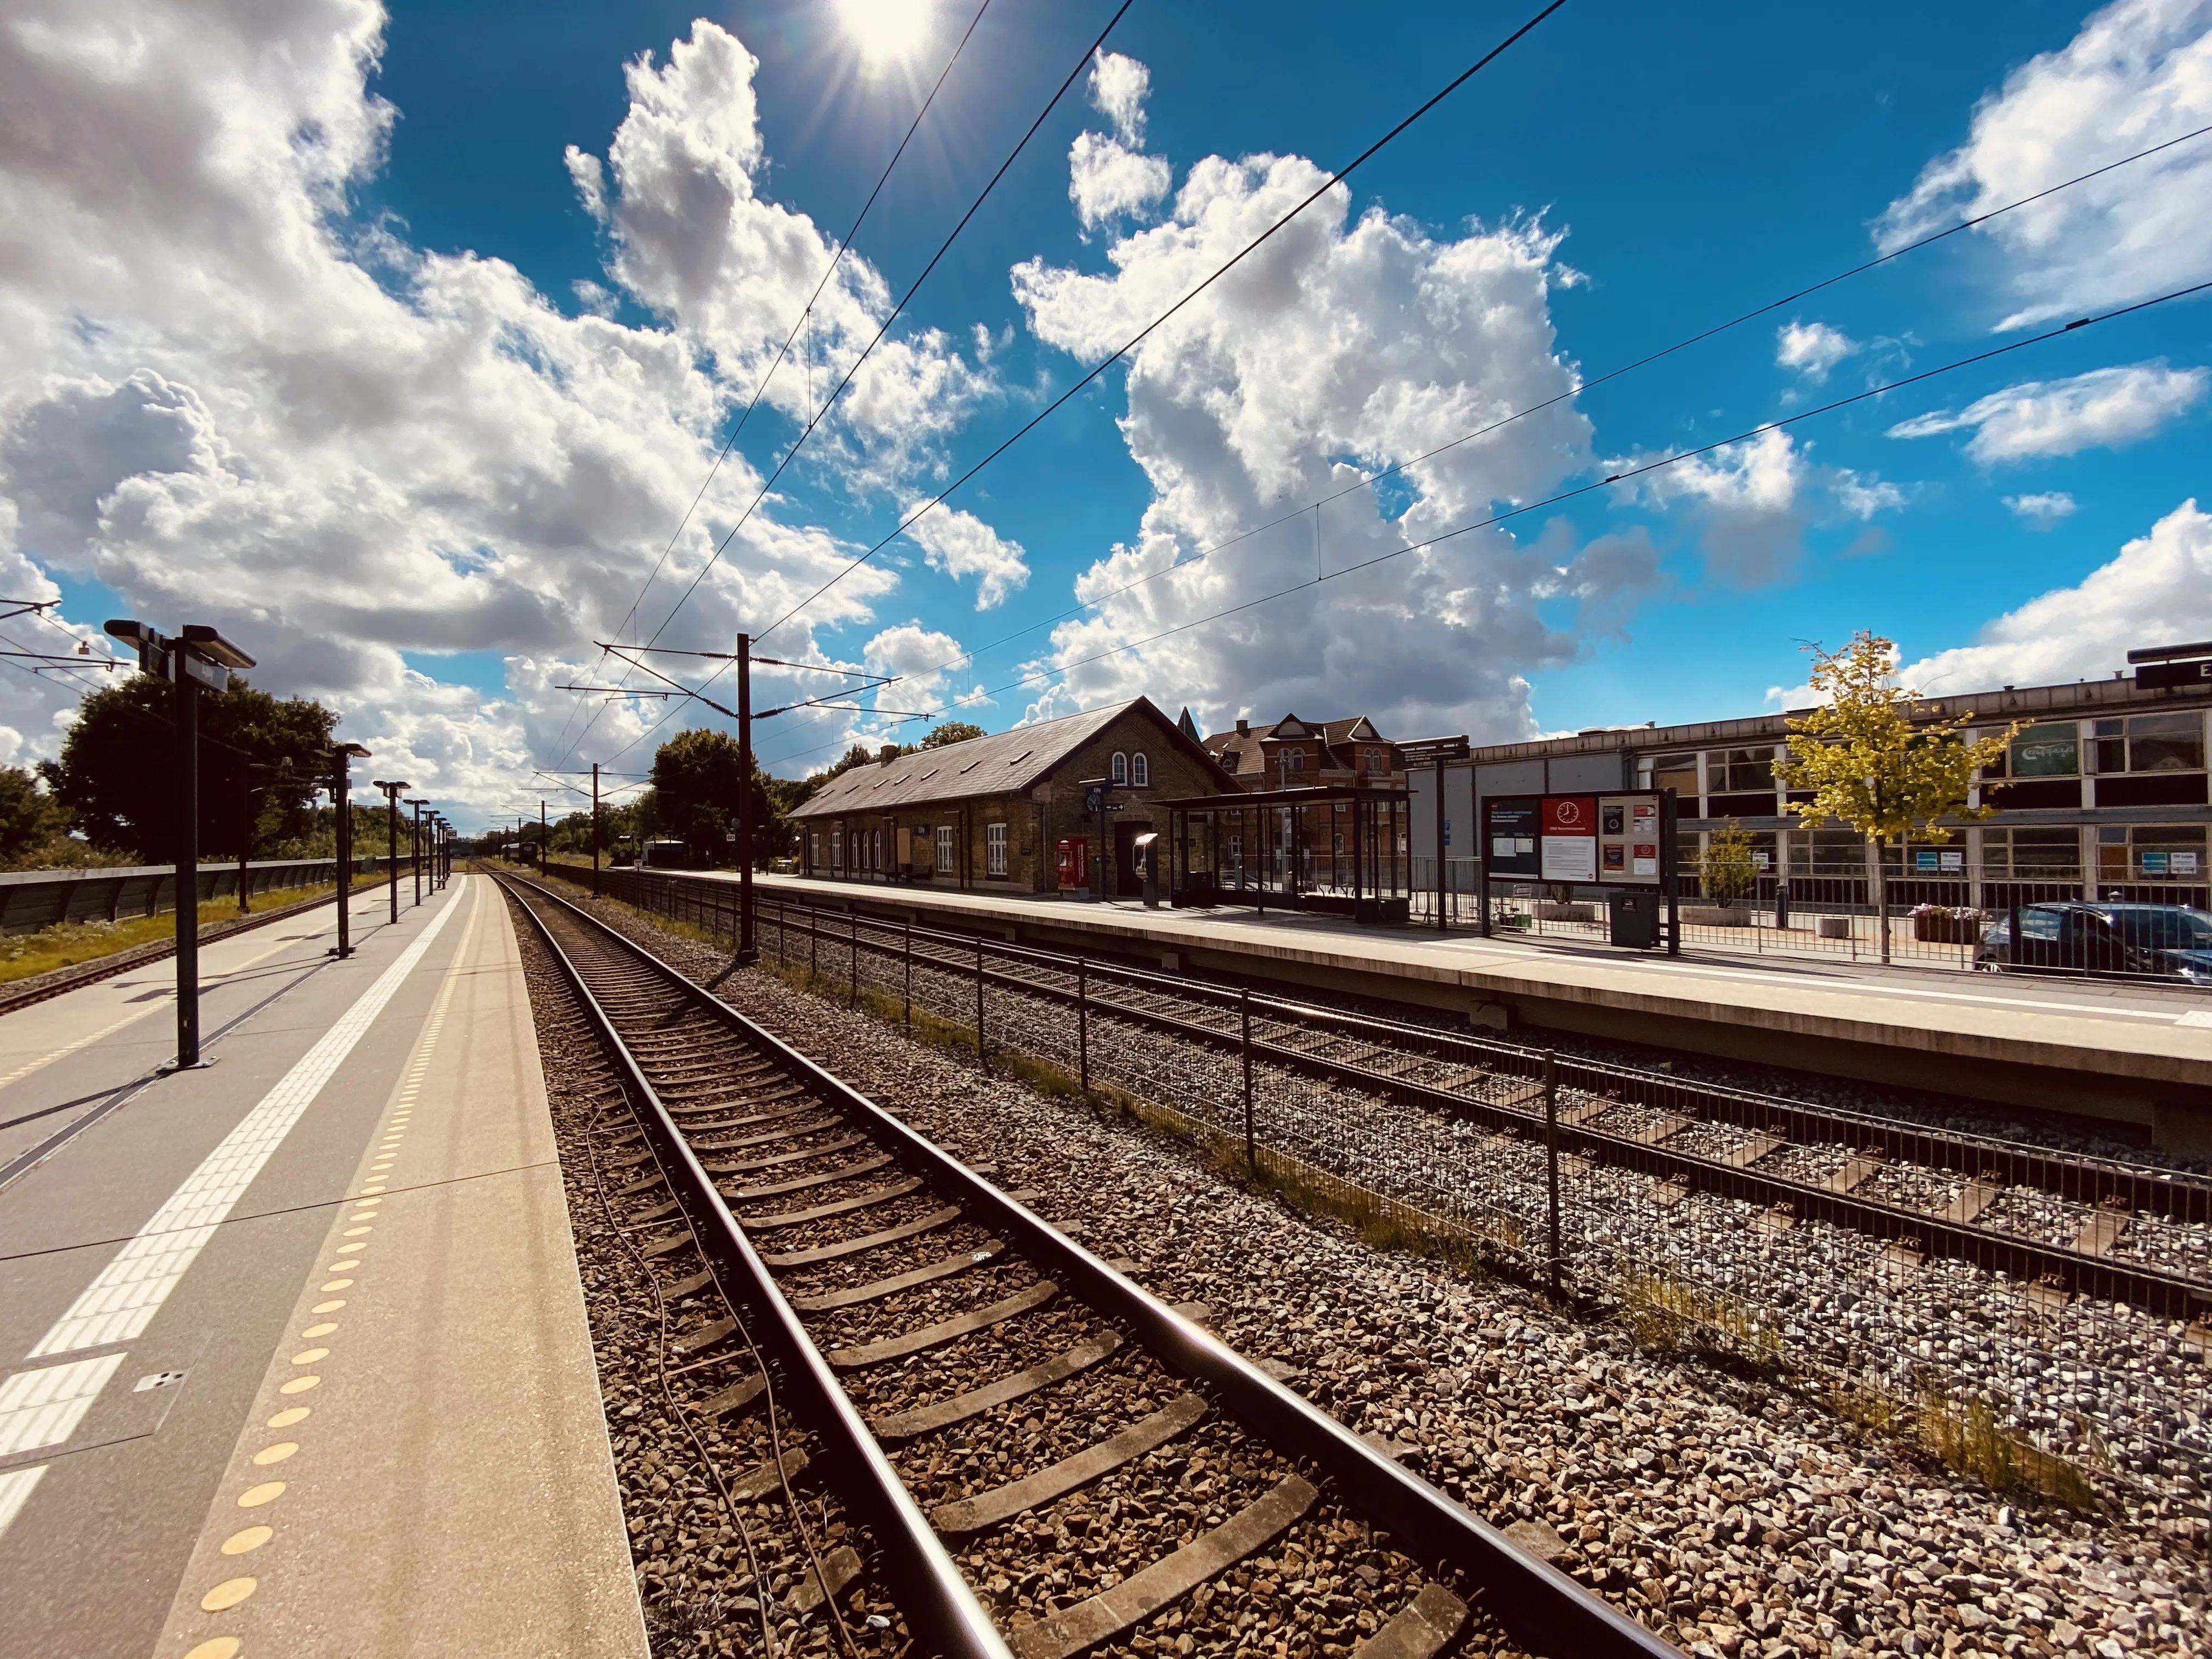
(1570, 838)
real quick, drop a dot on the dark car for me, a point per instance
(2155, 941)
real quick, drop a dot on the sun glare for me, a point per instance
(884, 30)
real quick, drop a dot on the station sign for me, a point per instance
(2167, 676)
(1581, 839)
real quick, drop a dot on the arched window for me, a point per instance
(1121, 767)
(1140, 770)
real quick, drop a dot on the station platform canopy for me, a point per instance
(1334, 848)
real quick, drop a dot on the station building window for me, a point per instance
(2051, 854)
(2150, 852)
(1140, 770)
(1678, 773)
(948, 860)
(1121, 767)
(2047, 751)
(2149, 742)
(837, 847)
(1737, 771)
(1293, 760)
(995, 849)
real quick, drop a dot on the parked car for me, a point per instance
(2155, 941)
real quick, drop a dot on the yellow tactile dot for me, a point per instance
(300, 1385)
(275, 1453)
(252, 1538)
(221, 1647)
(372, 1189)
(323, 1329)
(331, 1306)
(267, 1492)
(342, 1267)
(338, 1285)
(356, 1232)
(289, 1416)
(227, 1593)
(309, 1356)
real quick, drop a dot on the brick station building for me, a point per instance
(996, 813)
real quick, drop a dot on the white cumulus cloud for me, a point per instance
(961, 544)
(229, 399)
(1812, 349)
(2157, 592)
(1345, 344)
(1110, 177)
(2106, 408)
(2138, 73)
(2042, 510)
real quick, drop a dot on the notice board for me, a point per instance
(1586, 839)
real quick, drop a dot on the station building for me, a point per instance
(1005, 813)
(1294, 753)
(2101, 794)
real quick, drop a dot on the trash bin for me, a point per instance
(1634, 919)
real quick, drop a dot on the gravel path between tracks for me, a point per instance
(703, 1587)
(1731, 1516)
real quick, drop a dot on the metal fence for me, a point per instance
(32, 899)
(1931, 926)
(1570, 1172)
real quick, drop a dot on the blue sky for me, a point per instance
(1660, 169)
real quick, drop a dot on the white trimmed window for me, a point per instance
(1140, 770)
(1121, 767)
(995, 849)
(947, 860)
(1294, 760)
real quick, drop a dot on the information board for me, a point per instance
(1579, 839)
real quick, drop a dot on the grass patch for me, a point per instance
(1667, 1315)
(1970, 1439)
(68, 944)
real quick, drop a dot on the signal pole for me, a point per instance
(748, 951)
(595, 828)
(342, 759)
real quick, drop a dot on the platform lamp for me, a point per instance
(391, 793)
(197, 656)
(415, 850)
(343, 755)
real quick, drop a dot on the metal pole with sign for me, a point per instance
(198, 656)
(342, 759)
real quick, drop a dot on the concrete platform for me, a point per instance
(305, 1365)
(2140, 1055)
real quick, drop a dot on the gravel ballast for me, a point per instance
(1727, 1514)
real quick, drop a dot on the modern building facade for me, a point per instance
(1005, 813)
(2102, 793)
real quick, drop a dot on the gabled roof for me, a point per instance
(1005, 763)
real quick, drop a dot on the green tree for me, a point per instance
(951, 732)
(1872, 757)
(695, 778)
(118, 779)
(29, 818)
(1728, 872)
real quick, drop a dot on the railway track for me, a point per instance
(1048, 1459)
(24, 993)
(2079, 1225)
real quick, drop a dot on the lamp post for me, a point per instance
(197, 657)
(415, 848)
(342, 756)
(391, 793)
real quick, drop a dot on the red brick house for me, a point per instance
(1293, 753)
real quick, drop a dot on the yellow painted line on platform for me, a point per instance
(232, 1592)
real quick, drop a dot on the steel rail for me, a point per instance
(2156, 1290)
(2081, 1178)
(1533, 1600)
(940, 1608)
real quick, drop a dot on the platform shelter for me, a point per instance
(1340, 848)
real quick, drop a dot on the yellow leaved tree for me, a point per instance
(1871, 757)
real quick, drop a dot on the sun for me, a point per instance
(885, 31)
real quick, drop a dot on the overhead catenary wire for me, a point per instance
(1127, 346)
(829, 402)
(1626, 475)
(1145, 332)
(1370, 480)
(803, 320)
